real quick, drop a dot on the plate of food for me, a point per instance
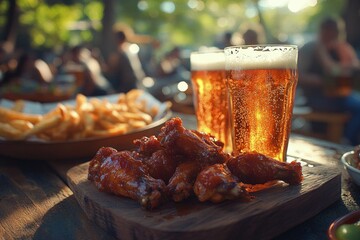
(75, 129)
(180, 184)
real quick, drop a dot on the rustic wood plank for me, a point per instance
(62, 167)
(284, 206)
(320, 151)
(36, 204)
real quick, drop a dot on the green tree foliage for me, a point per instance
(51, 24)
(48, 24)
(54, 23)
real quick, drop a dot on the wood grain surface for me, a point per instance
(273, 211)
(36, 204)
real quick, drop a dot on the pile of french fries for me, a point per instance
(89, 117)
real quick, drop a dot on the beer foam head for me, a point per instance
(214, 60)
(261, 57)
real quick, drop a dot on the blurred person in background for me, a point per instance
(171, 68)
(121, 73)
(102, 85)
(29, 68)
(86, 71)
(75, 66)
(124, 68)
(252, 34)
(170, 63)
(250, 37)
(327, 68)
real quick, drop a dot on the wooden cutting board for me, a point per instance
(273, 211)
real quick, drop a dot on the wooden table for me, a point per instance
(37, 203)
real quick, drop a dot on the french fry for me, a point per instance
(134, 94)
(74, 118)
(51, 113)
(131, 116)
(9, 132)
(89, 122)
(121, 129)
(115, 116)
(106, 124)
(80, 101)
(43, 125)
(137, 124)
(121, 107)
(45, 137)
(142, 105)
(21, 125)
(145, 117)
(60, 134)
(122, 98)
(154, 111)
(9, 114)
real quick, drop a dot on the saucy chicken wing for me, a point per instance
(161, 165)
(119, 173)
(181, 183)
(96, 162)
(203, 149)
(146, 146)
(256, 168)
(216, 183)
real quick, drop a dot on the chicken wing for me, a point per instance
(181, 183)
(203, 149)
(161, 165)
(256, 168)
(216, 183)
(95, 163)
(146, 146)
(119, 173)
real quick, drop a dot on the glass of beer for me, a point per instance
(261, 81)
(210, 94)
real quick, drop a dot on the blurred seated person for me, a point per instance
(102, 85)
(124, 69)
(253, 34)
(326, 67)
(30, 68)
(250, 37)
(169, 64)
(76, 67)
(86, 71)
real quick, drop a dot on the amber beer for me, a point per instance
(210, 94)
(261, 82)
